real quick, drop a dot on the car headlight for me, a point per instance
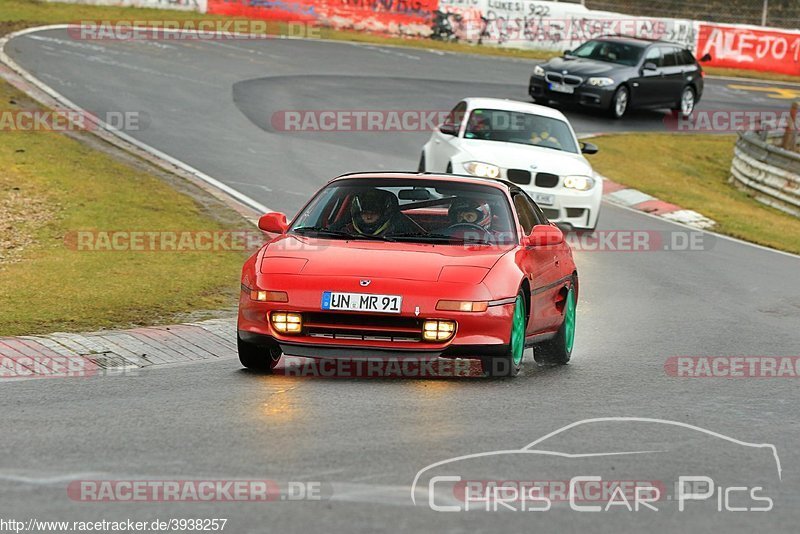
(579, 183)
(538, 71)
(600, 82)
(484, 170)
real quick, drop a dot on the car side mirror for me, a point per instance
(448, 129)
(274, 223)
(706, 58)
(567, 53)
(649, 66)
(589, 148)
(543, 235)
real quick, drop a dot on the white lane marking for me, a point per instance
(690, 217)
(61, 99)
(247, 184)
(391, 52)
(628, 197)
(49, 480)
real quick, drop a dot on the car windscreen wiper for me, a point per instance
(327, 232)
(424, 237)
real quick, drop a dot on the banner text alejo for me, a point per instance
(188, 30)
(733, 366)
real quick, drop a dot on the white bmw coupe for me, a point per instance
(529, 145)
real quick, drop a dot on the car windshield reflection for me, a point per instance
(417, 211)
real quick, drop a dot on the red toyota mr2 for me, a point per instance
(411, 266)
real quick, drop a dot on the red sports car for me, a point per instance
(410, 266)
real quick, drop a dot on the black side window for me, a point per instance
(539, 213)
(525, 212)
(670, 57)
(686, 57)
(456, 115)
(654, 56)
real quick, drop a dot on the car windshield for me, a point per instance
(521, 128)
(611, 52)
(409, 210)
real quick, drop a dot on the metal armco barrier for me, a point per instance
(768, 172)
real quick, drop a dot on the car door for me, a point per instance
(647, 87)
(540, 267)
(673, 76)
(446, 144)
(689, 67)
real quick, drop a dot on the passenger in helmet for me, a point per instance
(376, 212)
(466, 211)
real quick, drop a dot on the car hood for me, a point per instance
(584, 67)
(518, 156)
(306, 256)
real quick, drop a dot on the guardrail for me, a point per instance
(769, 173)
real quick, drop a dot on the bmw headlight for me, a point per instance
(484, 170)
(579, 183)
(538, 71)
(600, 82)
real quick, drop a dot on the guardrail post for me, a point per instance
(790, 134)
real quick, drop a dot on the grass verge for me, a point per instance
(696, 180)
(52, 185)
(18, 14)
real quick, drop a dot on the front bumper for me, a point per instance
(583, 95)
(476, 335)
(579, 209)
(323, 351)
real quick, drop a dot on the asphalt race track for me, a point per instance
(211, 105)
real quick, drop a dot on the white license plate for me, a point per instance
(561, 88)
(333, 300)
(545, 199)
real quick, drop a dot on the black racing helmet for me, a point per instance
(378, 201)
(471, 212)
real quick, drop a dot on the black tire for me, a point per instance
(449, 169)
(687, 93)
(258, 358)
(421, 167)
(617, 111)
(558, 350)
(510, 363)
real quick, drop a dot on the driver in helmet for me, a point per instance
(468, 212)
(376, 212)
